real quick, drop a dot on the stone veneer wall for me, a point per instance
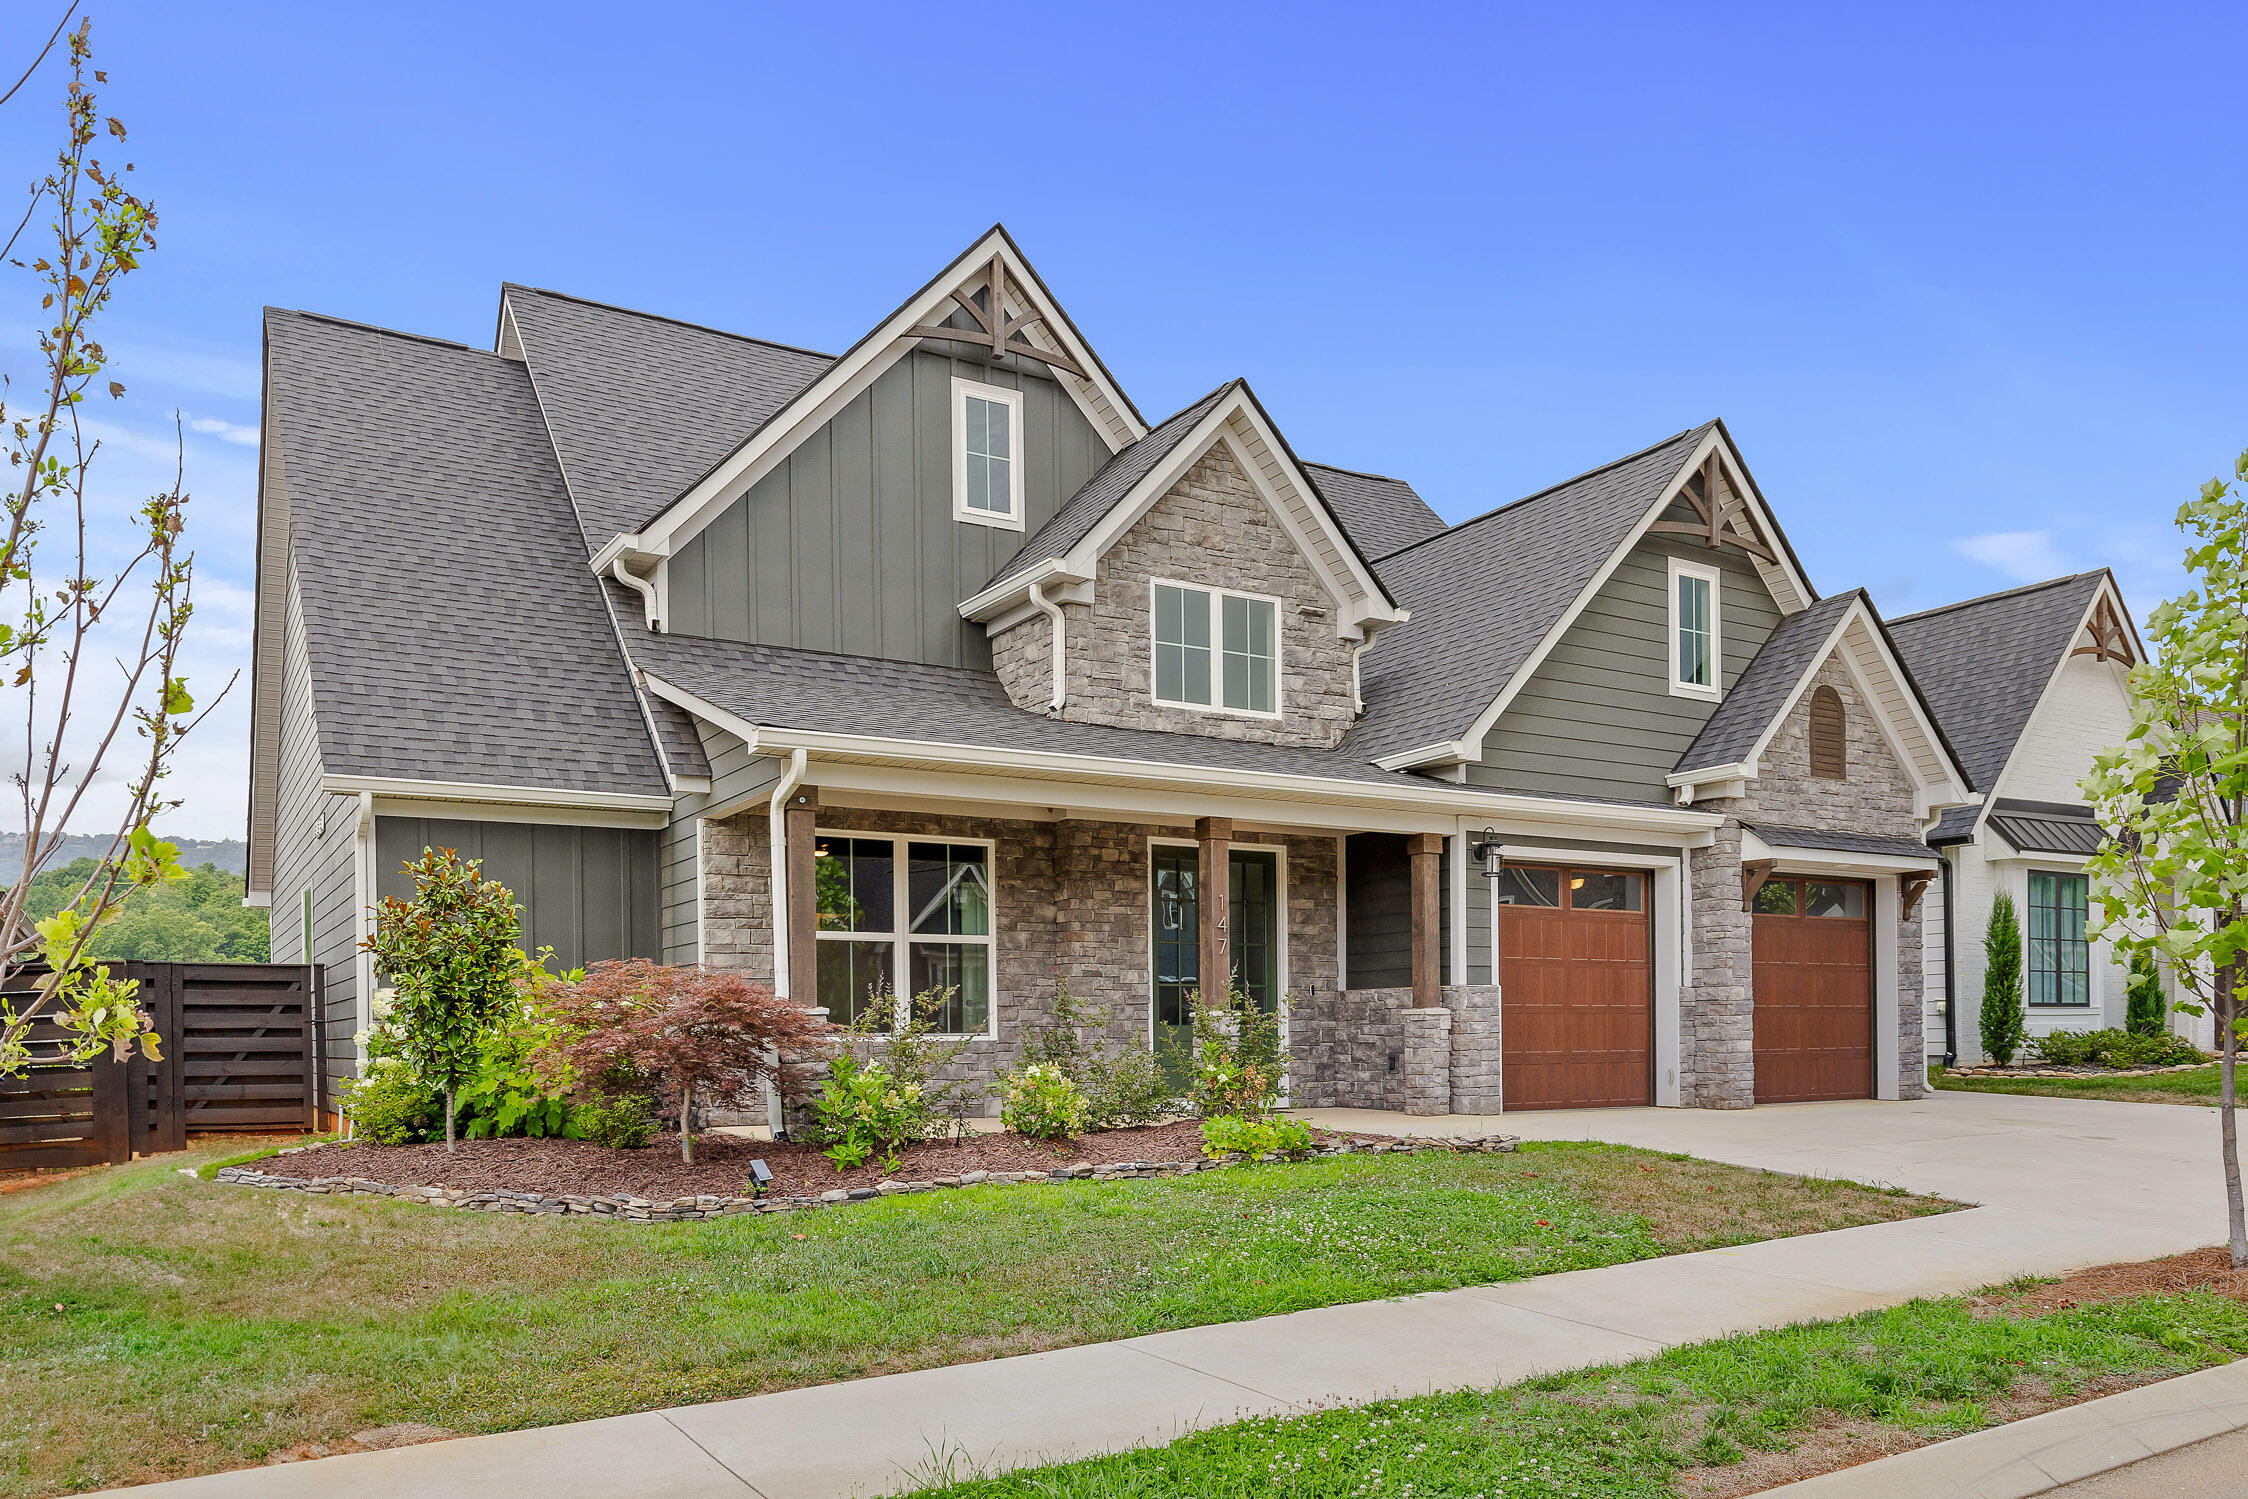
(1717, 1041)
(1371, 1049)
(1212, 528)
(1070, 899)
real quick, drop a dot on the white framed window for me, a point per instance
(1216, 649)
(987, 454)
(1697, 660)
(899, 917)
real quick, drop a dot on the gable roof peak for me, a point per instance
(2003, 593)
(656, 317)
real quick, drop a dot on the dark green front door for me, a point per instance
(1255, 909)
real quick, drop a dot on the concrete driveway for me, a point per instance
(2059, 1184)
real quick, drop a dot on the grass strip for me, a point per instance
(2197, 1087)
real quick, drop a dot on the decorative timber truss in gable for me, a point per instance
(1718, 526)
(2111, 638)
(994, 328)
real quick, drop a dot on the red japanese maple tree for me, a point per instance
(683, 1033)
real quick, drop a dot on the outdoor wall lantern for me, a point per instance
(1486, 848)
(760, 1177)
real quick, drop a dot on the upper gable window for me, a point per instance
(987, 454)
(1696, 646)
(1216, 649)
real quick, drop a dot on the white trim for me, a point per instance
(1456, 959)
(1671, 924)
(962, 390)
(776, 853)
(1888, 918)
(1715, 578)
(575, 817)
(467, 791)
(363, 883)
(858, 369)
(902, 937)
(702, 945)
(1216, 624)
(1342, 914)
(1789, 590)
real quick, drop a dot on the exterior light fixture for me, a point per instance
(1486, 848)
(760, 1177)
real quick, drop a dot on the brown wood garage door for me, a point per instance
(1577, 988)
(1814, 990)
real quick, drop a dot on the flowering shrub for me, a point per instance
(390, 1106)
(1040, 1102)
(1121, 1082)
(1234, 1067)
(1230, 1134)
(864, 1107)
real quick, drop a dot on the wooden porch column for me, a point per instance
(1213, 888)
(1424, 851)
(803, 898)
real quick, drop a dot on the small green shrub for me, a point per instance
(390, 1106)
(1040, 1103)
(1230, 1134)
(2001, 1013)
(863, 1107)
(1121, 1082)
(1235, 1065)
(2146, 1012)
(624, 1121)
(2113, 1048)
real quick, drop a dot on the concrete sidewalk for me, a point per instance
(2062, 1184)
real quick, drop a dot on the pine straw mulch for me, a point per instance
(557, 1168)
(1846, 1444)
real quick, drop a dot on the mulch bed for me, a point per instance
(721, 1168)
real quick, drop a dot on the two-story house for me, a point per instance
(934, 666)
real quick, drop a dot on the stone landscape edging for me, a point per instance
(622, 1207)
(2080, 1075)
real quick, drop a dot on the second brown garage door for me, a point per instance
(1814, 991)
(1576, 979)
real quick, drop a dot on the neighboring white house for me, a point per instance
(2029, 686)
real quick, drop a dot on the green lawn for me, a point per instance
(2197, 1087)
(154, 1325)
(1705, 1420)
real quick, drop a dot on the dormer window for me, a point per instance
(1696, 663)
(987, 454)
(1216, 649)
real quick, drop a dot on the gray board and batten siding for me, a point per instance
(1598, 718)
(850, 544)
(588, 893)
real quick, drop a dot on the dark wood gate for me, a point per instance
(242, 1052)
(1814, 990)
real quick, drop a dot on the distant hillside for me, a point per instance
(230, 854)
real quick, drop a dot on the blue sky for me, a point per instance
(1965, 282)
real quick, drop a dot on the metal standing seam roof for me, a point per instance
(1840, 842)
(641, 406)
(1762, 691)
(1984, 663)
(2047, 827)
(455, 631)
(1484, 593)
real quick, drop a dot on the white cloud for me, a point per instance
(224, 431)
(2024, 556)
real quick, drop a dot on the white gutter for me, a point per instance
(1053, 611)
(776, 835)
(1357, 688)
(467, 791)
(641, 586)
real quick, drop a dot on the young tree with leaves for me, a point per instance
(2001, 1013)
(2170, 881)
(67, 610)
(451, 958)
(682, 1033)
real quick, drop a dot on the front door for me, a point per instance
(1254, 908)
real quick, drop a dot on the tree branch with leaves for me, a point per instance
(62, 611)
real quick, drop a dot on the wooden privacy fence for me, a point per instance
(242, 1052)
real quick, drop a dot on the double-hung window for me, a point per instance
(2060, 959)
(987, 454)
(1696, 667)
(1216, 649)
(901, 919)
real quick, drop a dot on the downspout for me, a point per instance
(1951, 972)
(641, 586)
(1053, 611)
(776, 837)
(1357, 690)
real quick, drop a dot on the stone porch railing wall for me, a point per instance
(1372, 1049)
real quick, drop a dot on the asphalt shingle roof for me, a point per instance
(1381, 514)
(1840, 842)
(456, 633)
(1113, 480)
(641, 406)
(1760, 692)
(1983, 664)
(1483, 593)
